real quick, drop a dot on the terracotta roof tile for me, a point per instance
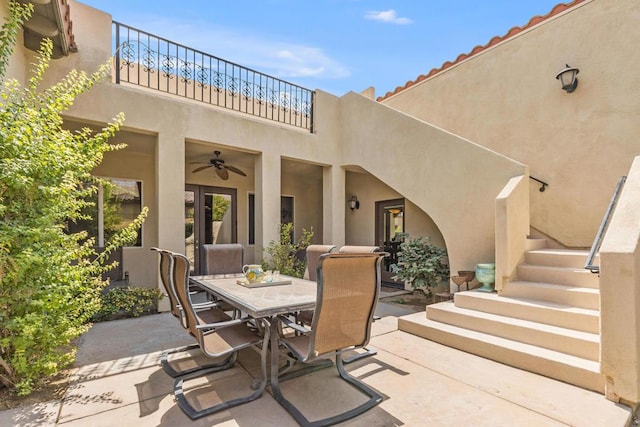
(559, 8)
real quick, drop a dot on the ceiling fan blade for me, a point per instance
(222, 173)
(201, 168)
(235, 170)
(199, 163)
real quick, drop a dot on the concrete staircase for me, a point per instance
(546, 321)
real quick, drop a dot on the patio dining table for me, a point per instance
(265, 304)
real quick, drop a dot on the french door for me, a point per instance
(389, 226)
(210, 217)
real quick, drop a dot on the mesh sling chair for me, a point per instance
(208, 312)
(313, 253)
(223, 258)
(348, 288)
(216, 340)
(368, 351)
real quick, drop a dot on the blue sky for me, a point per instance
(332, 45)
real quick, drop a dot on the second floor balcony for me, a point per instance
(152, 62)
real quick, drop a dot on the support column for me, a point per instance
(333, 205)
(170, 195)
(267, 209)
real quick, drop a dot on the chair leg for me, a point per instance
(368, 352)
(187, 408)
(212, 367)
(374, 399)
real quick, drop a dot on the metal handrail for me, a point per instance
(543, 185)
(156, 63)
(595, 247)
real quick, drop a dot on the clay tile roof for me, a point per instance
(559, 8)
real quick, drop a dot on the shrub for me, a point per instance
(283, 255)
(120, 303)
(50, 279)
(420, 263)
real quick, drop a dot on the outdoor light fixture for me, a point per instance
(354, 203)
(568, 78)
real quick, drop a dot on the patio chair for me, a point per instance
(348, 288)
(216, 340)
(361, 250)
(209, 312)
(225, 258)
(310, 273)
(313, 253)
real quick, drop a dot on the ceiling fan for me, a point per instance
(219, 165)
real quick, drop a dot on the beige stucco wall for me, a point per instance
(512, 228)
(21, 57)
(176, 122)
(435, 169)
(620, 294)
(507, 99)
(140, 262)
(360, 224)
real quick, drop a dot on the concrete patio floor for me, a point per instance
(117, 381)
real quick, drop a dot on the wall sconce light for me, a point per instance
(567, 77)
(354, 203)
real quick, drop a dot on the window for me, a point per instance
(115, 204)
(252, 219)
(286, 215)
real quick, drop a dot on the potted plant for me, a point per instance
(284, 255)
(421, 264)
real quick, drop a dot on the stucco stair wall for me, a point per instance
(546, 322)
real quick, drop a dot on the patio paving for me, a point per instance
(118, 381)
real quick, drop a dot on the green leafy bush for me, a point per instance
(50, 279)
(421, 264)
(283, 254)
(220, 207)
(118, 303)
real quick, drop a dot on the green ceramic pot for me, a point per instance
(486, 274)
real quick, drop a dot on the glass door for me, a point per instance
(210, 218)
(389, 228)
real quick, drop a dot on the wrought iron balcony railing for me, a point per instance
(156, 63)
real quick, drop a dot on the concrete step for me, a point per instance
(570, 276)
(557, 257)
(561, 294)
(561, 315)
(571, 369)
(535, 243)
(576, 343)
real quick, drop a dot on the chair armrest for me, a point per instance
(209, 304)
(293, 325)
(224, 324)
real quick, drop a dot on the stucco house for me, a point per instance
(461, 154)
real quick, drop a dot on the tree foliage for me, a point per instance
(50, 279)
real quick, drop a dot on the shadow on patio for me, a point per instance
(118, 381)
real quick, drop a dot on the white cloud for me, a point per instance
(279, 58)
(387, 16)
